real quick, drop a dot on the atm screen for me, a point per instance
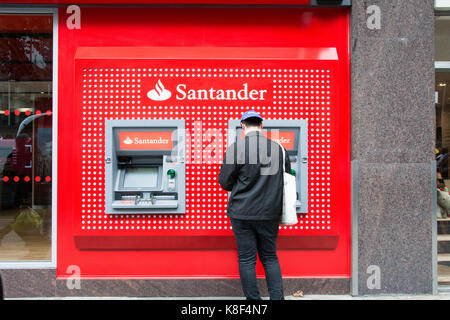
(141, 178)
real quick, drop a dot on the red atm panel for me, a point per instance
(298, 70)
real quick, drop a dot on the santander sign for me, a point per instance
(145, 140)
(160, 93)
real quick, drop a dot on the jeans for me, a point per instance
(260, 237)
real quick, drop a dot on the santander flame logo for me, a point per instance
(159, 93)
(128, 141)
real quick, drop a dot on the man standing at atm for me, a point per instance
(252, 173)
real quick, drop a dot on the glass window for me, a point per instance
(442, 103)
(25, 136)
(442, 38)
(443, 176)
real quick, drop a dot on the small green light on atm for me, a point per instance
(171, 173)
(293, 172)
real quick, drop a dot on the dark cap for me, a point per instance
(251, 114)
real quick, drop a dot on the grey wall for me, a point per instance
(393, 132)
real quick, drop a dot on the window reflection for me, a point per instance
(25, 137)
(442, 38)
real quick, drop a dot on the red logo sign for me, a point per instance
(285, 138)
(168, 91)
(145, 140)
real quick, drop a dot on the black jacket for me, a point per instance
(252, 172)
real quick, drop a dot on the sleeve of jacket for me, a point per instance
(229, 170)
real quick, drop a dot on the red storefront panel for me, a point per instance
(287, 64)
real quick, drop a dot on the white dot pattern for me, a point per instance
(119, 93)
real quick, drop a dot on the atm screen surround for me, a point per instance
(145, 166)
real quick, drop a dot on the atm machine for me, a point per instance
(144, 166)
(293, 136)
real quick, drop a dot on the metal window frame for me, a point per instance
(38, 264)
(442, 4)
(442, 66)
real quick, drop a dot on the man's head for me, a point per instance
(251, 121)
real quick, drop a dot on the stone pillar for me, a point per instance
(393, 138)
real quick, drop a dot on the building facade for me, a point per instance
(116, 117)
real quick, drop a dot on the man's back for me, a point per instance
(252, 172)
